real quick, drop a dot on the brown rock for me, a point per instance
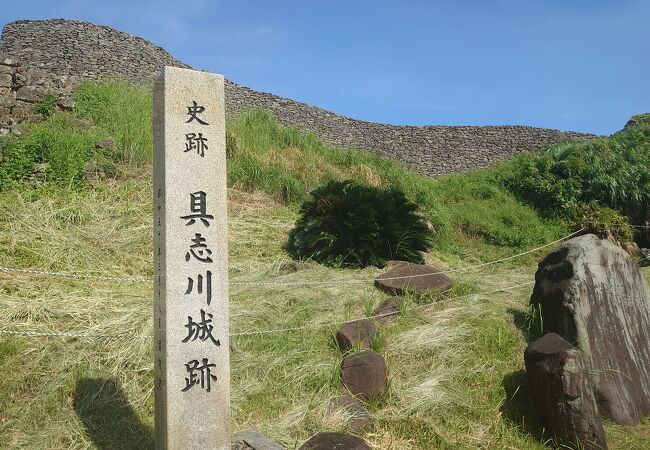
(364, 374)
(359, 333)
(412, 278)
(594, 295)
(6, 69)
(356, 415)
(565, 402)
(387, 310)
(334, 441)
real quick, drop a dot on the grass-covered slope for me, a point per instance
(455, 363)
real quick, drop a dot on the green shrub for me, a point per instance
(345, 223)
(604, 222)
(47, 106)
(612, 172)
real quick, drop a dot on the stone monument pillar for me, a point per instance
(192, 370)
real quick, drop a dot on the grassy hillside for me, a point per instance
(455, 362)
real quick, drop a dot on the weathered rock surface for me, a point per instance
(387, 310)
(365, 374)
(253, 440)
(334, 441)
(594, 295)
(359, 333)
(412, 278)
(560, 387)
(355, 415)
(66, 103)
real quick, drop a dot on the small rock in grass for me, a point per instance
(334, 441)
(387, 310)
(357, 417)
(360, 333)
(66, 103)
(365, 374)
(413, 279)
(253, 440)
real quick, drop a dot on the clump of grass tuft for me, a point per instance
(59, 149)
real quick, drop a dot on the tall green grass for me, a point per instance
(124, 111)
(53, 151)
(281, 161)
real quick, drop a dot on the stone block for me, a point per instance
(565, 402)
(386, 310)
(404, 277)
(356, 334)
(8, 101)
(6, 80)
(365, 374)
(334, 441)
(22, 110)
(253, 440)
(352, 411)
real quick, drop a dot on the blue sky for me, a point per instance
(573, 64)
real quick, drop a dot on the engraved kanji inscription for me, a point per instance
(198, 209)
(199, 374)
(193, 111)
(199, 249)
(201, 330)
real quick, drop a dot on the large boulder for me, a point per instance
(334, 441)
(594, 295)
(405, 277)
(561, 391)
(365, 374)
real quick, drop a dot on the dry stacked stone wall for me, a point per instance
(66, 52)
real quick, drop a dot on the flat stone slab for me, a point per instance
(365, 374)
(334, 441)
(356, 334)
(560, 387)
(405, 277)
(252, 439)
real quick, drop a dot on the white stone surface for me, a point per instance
(188, 416)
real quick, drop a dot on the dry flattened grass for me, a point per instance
(448, 360)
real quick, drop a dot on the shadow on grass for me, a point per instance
(518, 408)
(109, 419)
